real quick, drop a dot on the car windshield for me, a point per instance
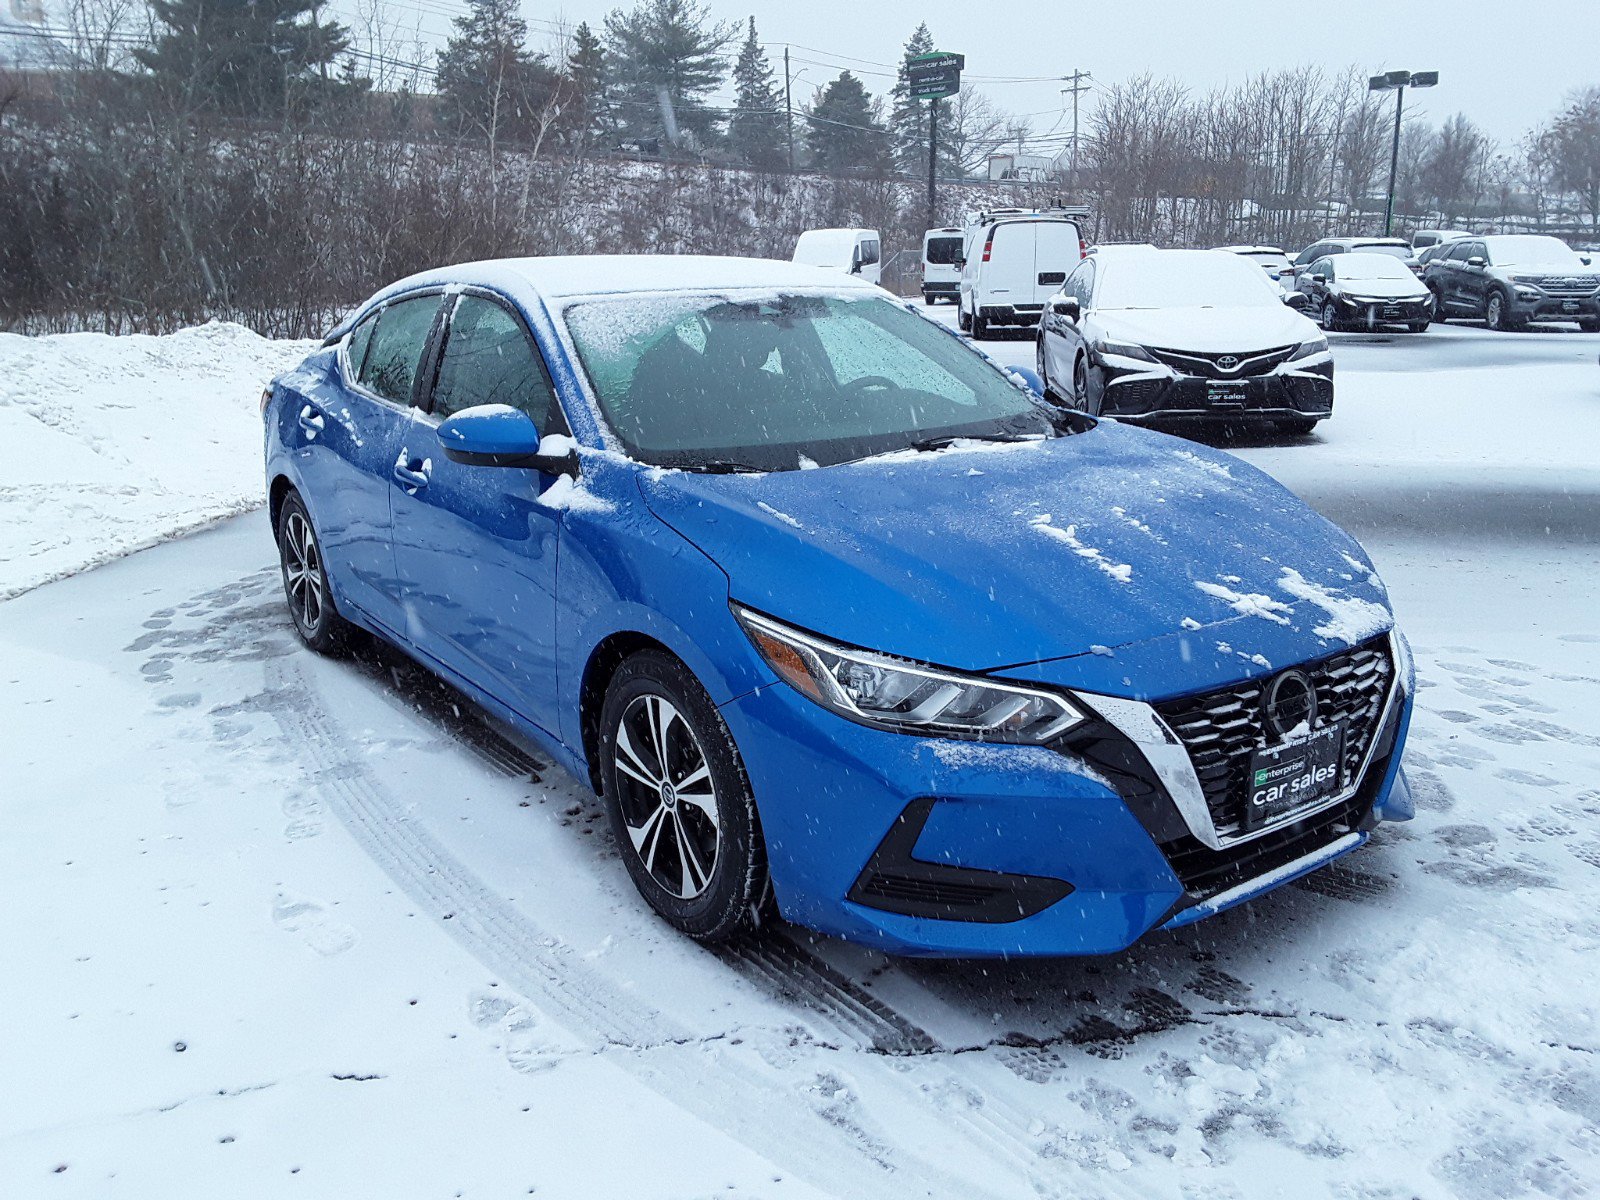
(943, 251)
(1183, 279)
(1532, 250)
(1367, 265)
(723, 383)
(1400, 252)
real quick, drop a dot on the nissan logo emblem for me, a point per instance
(1291, 701)
(1228, 362)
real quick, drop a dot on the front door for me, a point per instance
(474, 549)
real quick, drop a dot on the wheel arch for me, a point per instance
(277, 491)
(604, 660)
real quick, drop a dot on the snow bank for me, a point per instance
(116, 443)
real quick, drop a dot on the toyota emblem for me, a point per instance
(1291, 702)
(1228, 362)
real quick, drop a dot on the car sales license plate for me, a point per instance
(1391, 312)
(1294, 775)
(1570, 306)
(1228, 395)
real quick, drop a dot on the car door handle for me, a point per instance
(311, 420)
(413, 476)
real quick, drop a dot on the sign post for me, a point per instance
(933, 77)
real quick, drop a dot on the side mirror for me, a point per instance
(1030, 378)
(1068, 307)
(1297, 299)
(497, 435)
(1477, 260)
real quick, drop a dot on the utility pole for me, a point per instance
(1079, 80)
(933, 162)
(788, 105)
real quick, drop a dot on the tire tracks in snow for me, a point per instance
(824, 1147)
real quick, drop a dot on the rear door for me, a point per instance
(1008, 276)
(474, 548)
(1056, 254)
(350, 435)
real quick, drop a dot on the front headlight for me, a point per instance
(1317, 345)
(1124, 350)
(906, 697)
(1526, 279)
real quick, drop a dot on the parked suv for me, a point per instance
(1512, 279)
(1397, 247)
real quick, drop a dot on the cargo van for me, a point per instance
(1013, 264)
(853, 251)
(941, 264)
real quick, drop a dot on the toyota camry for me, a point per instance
(838, 617)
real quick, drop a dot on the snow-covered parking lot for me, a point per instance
(280, 926)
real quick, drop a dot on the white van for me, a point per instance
(1014, 263)
(853, 251)
(941, 264)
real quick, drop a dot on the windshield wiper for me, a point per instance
(726, 466)
(945, 440)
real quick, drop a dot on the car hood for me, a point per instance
(1207, 330)
(989, 555)
(1384, 289)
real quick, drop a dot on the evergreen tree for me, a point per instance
(672, 45)
(243, 56)
(908, 117)
(586, 72)
(756, 129)
(843, 130)
(488, 81)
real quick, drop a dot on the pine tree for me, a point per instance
(908, 117)
(755, 131)
(672, 45)
(243, 56)
(586, 71)
(488, 81)
(843, 130)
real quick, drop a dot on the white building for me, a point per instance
(25, 39)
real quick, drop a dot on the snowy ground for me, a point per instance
(285, 927)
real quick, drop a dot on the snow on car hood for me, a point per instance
(1207, 330)
(991, 555)
(1384, 289)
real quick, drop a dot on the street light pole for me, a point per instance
(1397, 82)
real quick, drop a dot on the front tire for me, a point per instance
(1297, 426)
(1497, 313)
(1330, 317)
(305, 581)
(680, 804)
(1418, 327)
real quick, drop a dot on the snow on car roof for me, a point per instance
(601, 274)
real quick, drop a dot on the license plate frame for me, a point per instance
(1571, 306)
(1227, 394)
(1294, 775)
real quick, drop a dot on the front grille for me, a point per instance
(1224, 728)
(1205, 872)
(1207, 366)
(1574, 288)
(1132, 395)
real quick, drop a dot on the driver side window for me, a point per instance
(488, 359)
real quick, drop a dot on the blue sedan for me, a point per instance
(839, 617)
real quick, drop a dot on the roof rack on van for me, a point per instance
(989, 216)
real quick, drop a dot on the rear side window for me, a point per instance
(488, 359)
(356, 348)
(392, 359)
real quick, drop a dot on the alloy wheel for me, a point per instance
(666, 796)
(1329, 317)
(1494, 314)
(302, 572)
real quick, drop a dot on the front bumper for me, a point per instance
(1532, 304)
(1373, 313)
(1159, 393)
(939, 848)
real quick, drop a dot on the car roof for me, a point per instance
(1251, 250)
(558, 277)
(1368, 241)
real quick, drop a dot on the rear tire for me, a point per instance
(927, 299)
(980, 328)
(680, 804)
(305, 582)
(963, 320)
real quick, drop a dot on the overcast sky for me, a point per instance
(1505, 63)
